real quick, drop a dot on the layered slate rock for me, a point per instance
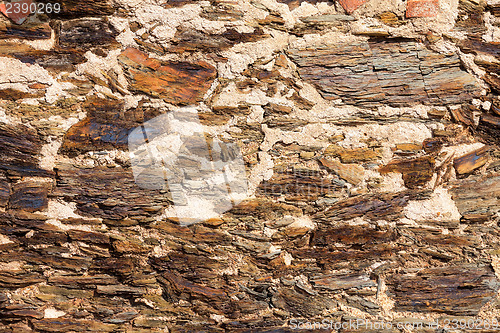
(489, 127)
(29, 196)
(187, 39)
(336, 226)
(82, 34)
(477, 198)
(20, 147)
(175, 82)
(416, 172)
(71, 9)
(471, 161)
(106, 127)
(4, 190)
(30, 32)
(109, 193)
(457, 290)
(351, 247)
(471, 17)
(298, 185)
(394, 73)
(52, 60)
(388, 206)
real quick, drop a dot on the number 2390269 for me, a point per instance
(32, 8)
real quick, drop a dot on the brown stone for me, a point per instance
(106, 126)
(390, 19)
(71, 9)
(297, 185)
(470, 17)
(19, 279)
(187, 39)
(489, 127)
(360, 155)
(471, 161)
(72, 325)
(336, 282)
(352, 173)
(120, 290)
(175, 82)
(433, 145)
(394, 73)
(478, 46)
(181, 285)
(4, 190)
(20, 147)
(79, 281)
(90, 134)
(462, 115)
(300, 304)
(349, 235)
(263, 209)
(83, 34)
(129, 246)
(477, 197)
(20, 311)
(387, 206)
(408, 147)
(52, 60)
(29, 196)
(109, 193)
(416, 172)
(14, 95)
(63, 293)
(28, 31)
(88, 236)
(456, 290)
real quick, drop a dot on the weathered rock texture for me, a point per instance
(370, 134)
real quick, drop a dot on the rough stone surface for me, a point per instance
(369, 133)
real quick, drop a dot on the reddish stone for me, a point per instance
(15, 13)
(175, 82)
(422, 8)
(351, 5)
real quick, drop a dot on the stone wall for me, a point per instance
(369, 131)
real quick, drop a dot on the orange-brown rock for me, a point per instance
(352, 173)
(354, 155)
(351, 5)
(175, 82)
(416, 172)
(26, 31)
(471, 161)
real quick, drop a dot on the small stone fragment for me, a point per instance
(471, 161)
(416, 172)
(352, 173)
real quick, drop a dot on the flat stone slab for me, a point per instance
(395, 73)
